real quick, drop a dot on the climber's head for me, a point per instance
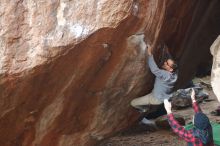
(201, 121)
(202, 128)
(169, 65)
(166, 60)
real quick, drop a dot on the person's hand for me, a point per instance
(167, 106)
(193, 95)
(149, 50)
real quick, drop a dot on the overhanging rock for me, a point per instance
(68, 69)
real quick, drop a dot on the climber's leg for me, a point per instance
(143, 103)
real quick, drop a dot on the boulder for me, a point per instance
(68, 69)
(215, 75)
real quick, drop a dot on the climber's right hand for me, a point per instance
(149, 49)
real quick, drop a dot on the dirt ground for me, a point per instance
(147, 136)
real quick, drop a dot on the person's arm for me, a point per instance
(196, 107)
(153, 66)
(177, 128)
(151, 62)
(155, 69)
(194, 103)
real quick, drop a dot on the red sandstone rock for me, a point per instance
(68, 69)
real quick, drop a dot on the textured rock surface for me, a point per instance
(202, 33)
(68, 69)
(215, 76)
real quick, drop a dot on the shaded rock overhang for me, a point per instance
(68, 69)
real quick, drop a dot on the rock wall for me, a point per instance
(202, 33)
(68, 69)
(215, 75)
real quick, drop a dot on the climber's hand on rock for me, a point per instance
(167, 106)
(193, 95)
(149, 49)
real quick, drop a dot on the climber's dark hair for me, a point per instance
(166, 56)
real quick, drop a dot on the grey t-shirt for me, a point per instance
(164, 82)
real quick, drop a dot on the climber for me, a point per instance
(201, 134)
(166, 77)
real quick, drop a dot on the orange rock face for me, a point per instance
(68, 69)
